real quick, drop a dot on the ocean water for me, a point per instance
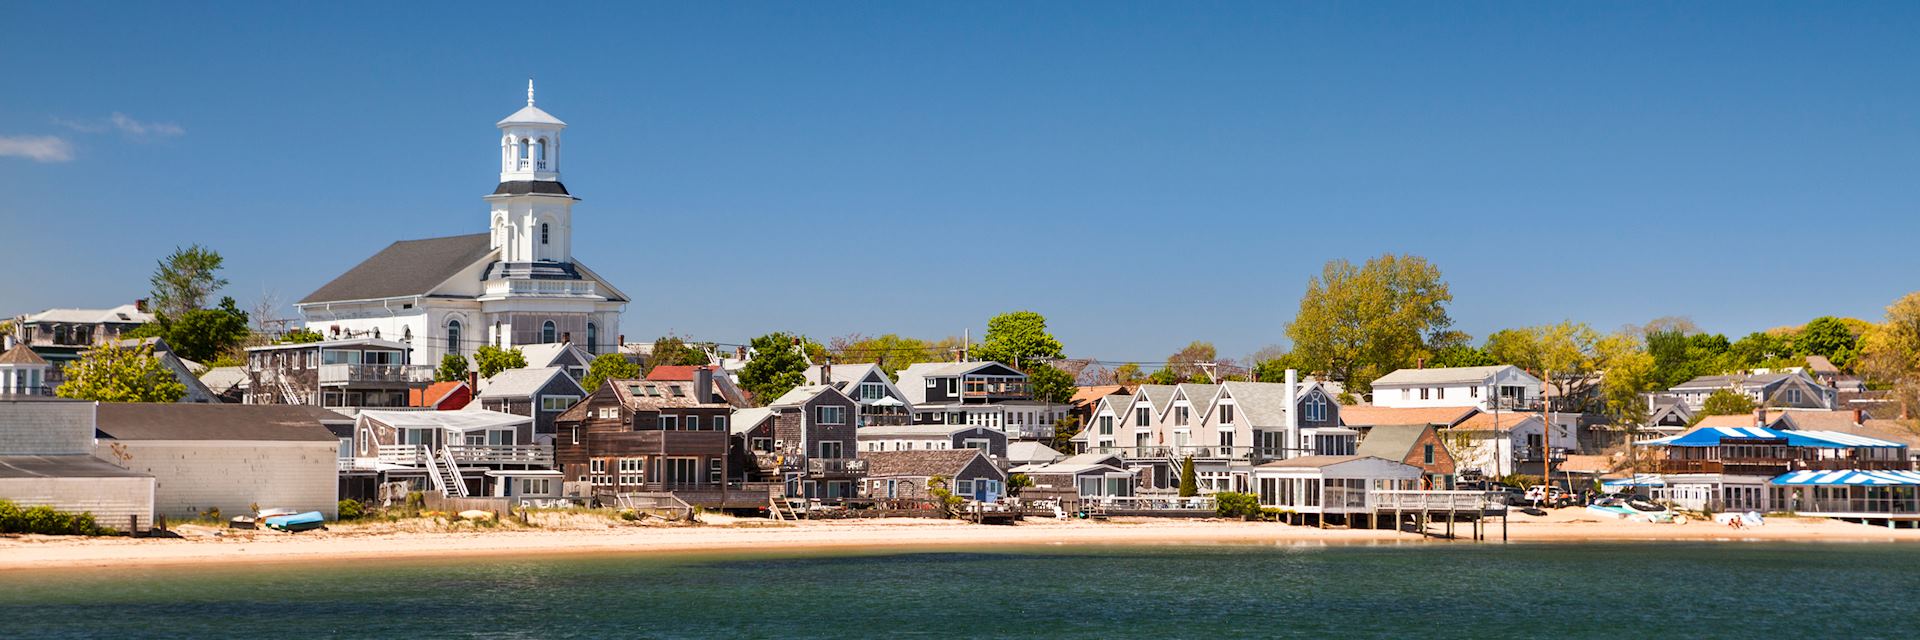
(1561, 591)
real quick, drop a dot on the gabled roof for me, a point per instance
(21, 355)
(1494, 422)
(544, 354)
(523, 383)
(1084, 396)
(1367, 416)
(1029, 452)
(1441, 375)
(434, 394)
(222, 379)
(674, 372)
(1391, 441)
(122, 314)
(193, 421)
(745, 420)
(1263, 404)
(1820, 365)
(654, 395)
(913, 379)
(405, 268)
(842, 373)
(1159, 396)
(1813, 419)
(1196, 395)
(464, 420)
(922, 463)
(801, 394)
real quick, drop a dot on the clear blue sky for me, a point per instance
(1144, 175)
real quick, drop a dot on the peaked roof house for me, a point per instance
(1414, 444)
(909, 475)
(1773, 390)
(516, 284)
(225, 458)
(570, 357)
(59, 335)
(540, 394)
(979, 392)
(24, 373)
(881, 403)
(1508, 386)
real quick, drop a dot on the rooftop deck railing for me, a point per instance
(342, 374)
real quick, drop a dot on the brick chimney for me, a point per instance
(566, 337)
(702, 383)
(1760, 417)
(1859, 416)
(140, 305)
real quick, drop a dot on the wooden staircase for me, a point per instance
(446, 474)
(783, 509)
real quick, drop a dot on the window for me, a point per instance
(593, 337)
(763, 445)
(1426, 454)
(872, 391)
(543, 233)
(1180, 415)
(557, 403)
(1406, 394)
(1141, 417)
(608, 413)
(719, 423)
(669, 423)
(1424, 392)
(830, 415)
(966, 488)
(1226, 438)
(1226, 414)
(576, 435)
(1440, 393)
(536, 486)
(693, 423)
(977, 443)
(1793, 396)
(632, 470)
(1473, 391)
(597, 470)
(547, 332)
(713, 470)
(1106, 425)
(831, 449)
(1316, 408)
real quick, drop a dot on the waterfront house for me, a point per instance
(907, 475)
(540, 394)
(1505, 386)
(926, 437)
(46, 459)
(1733, 468)
(815, 443)
(226, 458)
(978, 393)
(470, 452)
(881, 403)
(1226, 429)
(1496, 444)
(1418, 445)
(1083, 476)
(1331, 488)
(347, 374)
(637, 436)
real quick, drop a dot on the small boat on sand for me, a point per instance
(297, 522)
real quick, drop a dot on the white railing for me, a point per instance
(542, 287)
(1029, 431)
(413, 455)
(1429, 500)
(1152, 503)
(374, 373)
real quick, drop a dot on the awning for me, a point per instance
(1849, 478)
(887, 401)
(1642, 480)
(1712, 437)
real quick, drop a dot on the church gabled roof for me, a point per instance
(405, 268)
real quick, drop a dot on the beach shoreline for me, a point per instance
(884, 535)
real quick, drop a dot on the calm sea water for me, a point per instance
(1443, 591)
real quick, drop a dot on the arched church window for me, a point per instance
(525, 148)
(593, 337)
(546, 332)
(406, 333)
(453, 336)
(540, 152)
(543, 233)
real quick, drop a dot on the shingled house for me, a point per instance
(907, 475)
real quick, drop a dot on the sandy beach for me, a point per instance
(203, 545)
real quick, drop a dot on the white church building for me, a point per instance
(517, 284)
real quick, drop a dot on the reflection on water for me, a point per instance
(1486, 590)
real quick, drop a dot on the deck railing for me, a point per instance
(832, 466)
(415, 455)
(375, 373)
(1429, 500)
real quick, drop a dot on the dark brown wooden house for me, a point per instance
(643, 436)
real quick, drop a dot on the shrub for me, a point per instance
(351, 509)
(47, 520)
(416, 502)
(1229, 504)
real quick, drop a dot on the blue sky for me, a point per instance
(1143, 174)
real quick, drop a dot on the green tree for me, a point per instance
(1726, 403)
(1757, 350)
(892, 352)
(672, 351)
(1460, 355)
(185, 280)
(1064, 429)
(1568, 353)
(1049, 384)
(1830, 337)
(301, 336)
(1128, 373)
(1018, 338)
(1164, 375)
(453, 368)
(1891, 352)
(112, 373)
(1358, 323)
(776, 368)
(493, 360)
(1631, 372)
(609, 366)
(204, 334)
(1189, 485)
(1186, 363)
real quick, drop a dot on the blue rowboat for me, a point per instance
(297, 522)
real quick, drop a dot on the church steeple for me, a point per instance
(532, 217)
(530, 144)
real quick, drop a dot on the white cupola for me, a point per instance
(530, 144)
(531, 212)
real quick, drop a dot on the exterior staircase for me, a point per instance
(783, 509)
(445, 472)
(286, 390)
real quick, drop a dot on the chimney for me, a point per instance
(473, 383)
(702, 384)
(1859, 416)
(826, 372)
(140, 305)
(1420, 362)
(1293, 408)
(620, 341)
(1760, 417)
(566, 337)
(740, 353)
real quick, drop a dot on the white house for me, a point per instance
(516, 284)
(1481, 387)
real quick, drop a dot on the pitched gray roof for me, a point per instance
(1263, 404)
(1158, 395)
(180, 421)
(405, 268)
(1391, 441)
(68, 466)
(521, 383)
(1441, 375)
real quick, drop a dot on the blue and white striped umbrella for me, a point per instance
(1849, 478)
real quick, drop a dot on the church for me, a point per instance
(516, 284)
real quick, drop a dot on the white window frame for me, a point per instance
(839, 413)
(547, 402)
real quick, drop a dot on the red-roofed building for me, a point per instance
(720, 384)
(674, 372)
(441, 396)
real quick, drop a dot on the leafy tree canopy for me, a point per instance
(200, 335)
(673, 351)
(185, 280)
(493, 360)
(1726, 403)
(112, 373)
(892, 352)
(301, 336)
(609, 366)
(1049, 383)
(1018, 338)
(453, 368)
(1357, 323)
(776, 368)
(1459, 355)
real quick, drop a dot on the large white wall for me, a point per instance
(192, 476)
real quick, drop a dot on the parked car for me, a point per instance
(1548, 497)
(1508, 496)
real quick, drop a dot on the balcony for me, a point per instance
(998, 390)
(415, 455)
(1197, 452)
(1030, 431)
(1532, 454)
(352, 374)
(836, 467)
(22, 390)
(553, 288)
